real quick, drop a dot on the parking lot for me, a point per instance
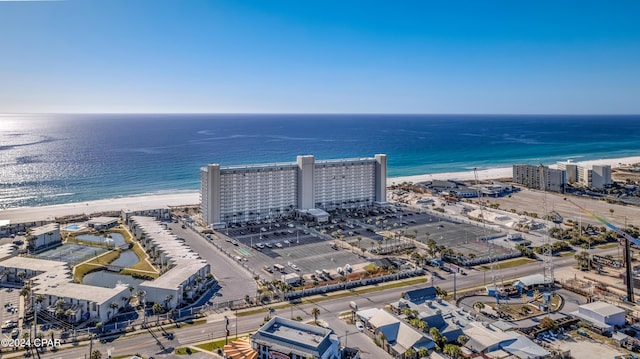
(9, 297)
(304, 247)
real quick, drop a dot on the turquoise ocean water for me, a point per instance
(52, 159)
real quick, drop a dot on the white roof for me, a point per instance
(55, 279)
(482, 337)
(103, 220)
(602, 308)
(51, 227)
(185, 261)
(367, 313)
(534, 279)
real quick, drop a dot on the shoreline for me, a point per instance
(502, 172)
(179, 198)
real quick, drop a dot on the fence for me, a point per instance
(352, 284)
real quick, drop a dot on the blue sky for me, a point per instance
(556, 57)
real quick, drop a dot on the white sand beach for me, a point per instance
(25, 214)
(503, 172)
(19, 215)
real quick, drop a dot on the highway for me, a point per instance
(146, 345)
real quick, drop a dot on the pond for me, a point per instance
(107, 279)
(117, 238)
(126, 259)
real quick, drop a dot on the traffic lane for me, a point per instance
(215, 329)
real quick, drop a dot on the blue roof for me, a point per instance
(419, 296)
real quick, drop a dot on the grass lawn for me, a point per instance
(184, 351)
(609, 246)
(142, 265)
(81, 270)
(509, 263)
(567, 254)
(212, 346)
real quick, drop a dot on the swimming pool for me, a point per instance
(72, 227)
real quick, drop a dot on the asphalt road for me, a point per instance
(236, 281)
(146, 345)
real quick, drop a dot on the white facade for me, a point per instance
(603, 313)
(571, 170)
(600, 176)
(185, 273)
(44, 236)
(539, 177)
(344, 184)
(253, 192)
(596, 176)
(52, 280)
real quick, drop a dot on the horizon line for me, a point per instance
(322, 113)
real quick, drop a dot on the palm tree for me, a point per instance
(462, 339)
(315, 312)
(167, 300)
(410, 353)
(21, 275)
(69, 314)
(452, 350)
(39, 299)
(479, 306)
(96, 354)
(423, 352)
(437, 337)
(113, 307)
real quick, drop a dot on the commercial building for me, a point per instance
(539, 177)
(282, 338)
(259, 191)
(102, 223)
(492, 342)
(602, 316)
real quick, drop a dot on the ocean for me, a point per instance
(54, 159)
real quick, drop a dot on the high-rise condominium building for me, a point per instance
(596, 176)
(249, 192)
(539, 177)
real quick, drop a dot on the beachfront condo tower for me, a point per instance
(231, 194)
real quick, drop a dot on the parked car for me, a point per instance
(360, 326)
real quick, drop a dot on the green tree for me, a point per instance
(438, 338)
(548, 323)
(452, 350)
(479, 306)
(315, 312)
(462, 339)
(583, 258)
(410, 353)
